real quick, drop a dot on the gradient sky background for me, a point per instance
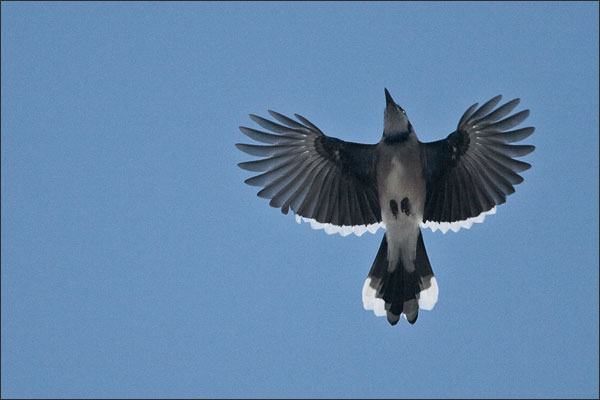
(136, 262)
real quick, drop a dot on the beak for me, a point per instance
(388, 98)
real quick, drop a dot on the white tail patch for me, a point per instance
(455, 226)
(370, 302)
(427, 298)
(343, 230)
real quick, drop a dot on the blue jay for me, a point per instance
(400, 184)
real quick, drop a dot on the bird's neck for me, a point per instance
(396, 137)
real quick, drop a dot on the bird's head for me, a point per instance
(396, 126)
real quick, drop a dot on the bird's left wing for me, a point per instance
(473, 170)
(323, 180)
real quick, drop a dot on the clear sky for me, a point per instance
(136, 262)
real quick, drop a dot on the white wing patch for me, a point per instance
(343, 230)
(359, 230)
(455, 226)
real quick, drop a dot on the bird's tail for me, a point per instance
(395, 291)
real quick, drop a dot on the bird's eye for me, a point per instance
(403, 112)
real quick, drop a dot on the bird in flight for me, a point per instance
(400, 184)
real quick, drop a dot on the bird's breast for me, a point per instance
(401, 187)
(402, 197)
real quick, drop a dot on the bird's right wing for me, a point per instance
(323, 180)
(474, 168)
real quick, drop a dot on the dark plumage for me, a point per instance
(399, 183)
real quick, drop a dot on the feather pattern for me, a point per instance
(332, 185)
(473, 170)
(325, 181)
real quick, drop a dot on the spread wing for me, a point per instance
(473, 170)
(323, 180)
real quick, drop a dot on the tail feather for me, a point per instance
(400, 292)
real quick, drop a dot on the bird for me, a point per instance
(400, 184)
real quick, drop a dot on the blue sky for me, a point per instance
(136, 262)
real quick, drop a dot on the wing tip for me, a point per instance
(526, 149)
(246, 148)
(242, 165)
(525, 166)
(255, 118)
